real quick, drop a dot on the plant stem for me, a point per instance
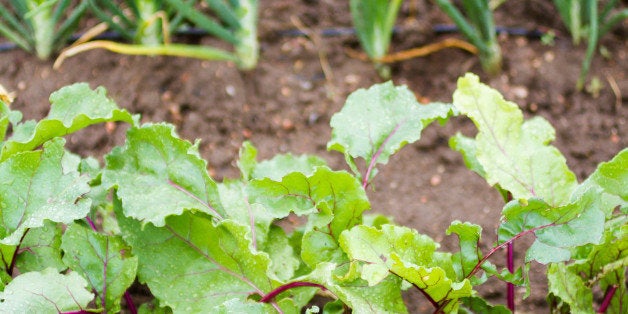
(129, 302)
(608, 296)
(17, 249)
(91, 223)
(510, 263)
(510, 293)
(271, 295)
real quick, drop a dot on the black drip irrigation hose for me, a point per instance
(327, 32)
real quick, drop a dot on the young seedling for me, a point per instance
(479, 29)
(147, 25)
(585, 22)
(374, 21)
(38, 26)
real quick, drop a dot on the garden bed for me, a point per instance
(285, 104)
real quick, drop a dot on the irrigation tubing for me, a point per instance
(327, 32)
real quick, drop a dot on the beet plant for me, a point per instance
(153, 214)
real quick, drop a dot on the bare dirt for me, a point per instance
(285, 105)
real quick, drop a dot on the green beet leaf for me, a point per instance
(612, 176)
(412, 257)
(513, 153)
(603, 265)
(45, 292)
(469, 255)
(480, 306)
(334, 201)
(356, 293)
(41, 249)
(247, 160)
(73, 108)
(236, 206)
(557, 229)
(276, 167)
(281, 165)
(157, 175)
(376, 122)
(567, 291)
(191, 265)
(34, 187)
(284, 262)
(106, 262)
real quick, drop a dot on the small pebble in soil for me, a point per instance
(352, 79)
(549, 56)
(287, 125)
(285, 91)
(435, 180)
(533, 107)
(312, 118)
(110, 127)
(230, 90)
(306, 85)
(520, 91)
(298, 65)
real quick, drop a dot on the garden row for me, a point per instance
(74, 235)
(147, 26)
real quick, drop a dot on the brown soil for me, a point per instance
(285, 104)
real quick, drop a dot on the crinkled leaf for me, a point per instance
(73, 108)
(376, 220)
(567, 290)
(153, 307)
(34, 187)
(41, 249)
(376, 122)
(192, 265)
(471, 305)
(106, 261)
(612, 176)
(335, 201)
(469, 239)
(7, 253)
(599, 265)
(237, 207)
(284, 263)
(158, 175)
(560, 228)
(434, 282)
(466, 147)
(376, 246)
(247, 160)
(407, 254)
(281, 165)
(356, 293)
(236, 306)
(334, 307)
(45, 292)
(605, 264)
(513, 153)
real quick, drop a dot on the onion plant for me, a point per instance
(374, 21)
(147, 25)
(40, 26)
(585, 22)
(234, 21)
(478, 26)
